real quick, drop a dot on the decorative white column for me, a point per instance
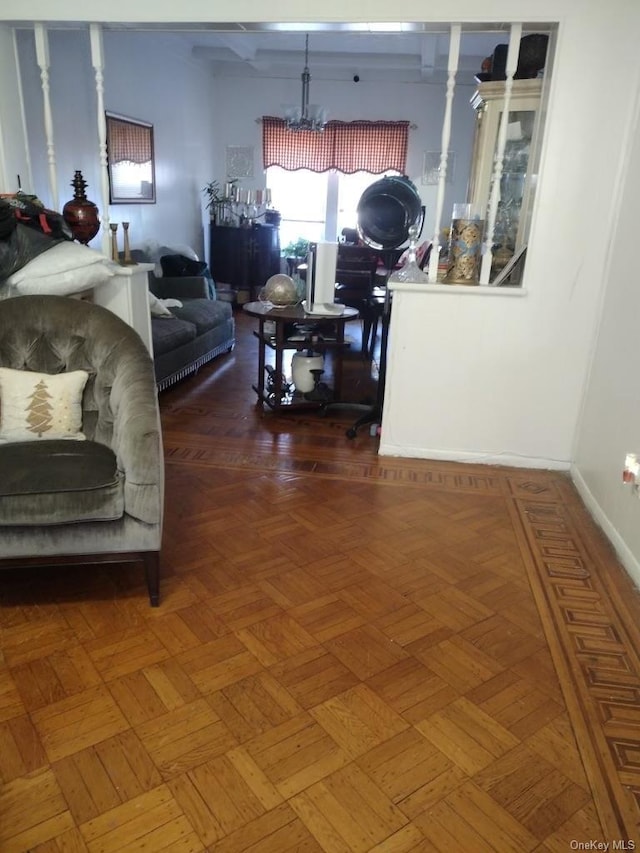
(494, 195)
(42, 58)
(97, 60)
(14, 148)
(454, 56)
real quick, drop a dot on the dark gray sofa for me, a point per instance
(199, 331)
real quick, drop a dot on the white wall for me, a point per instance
(610, 423)
(420, 103)
(502, 378)
(149, 76)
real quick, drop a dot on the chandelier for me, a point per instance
(310, 116)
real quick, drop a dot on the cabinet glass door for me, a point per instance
(513, 183)
(519, 163)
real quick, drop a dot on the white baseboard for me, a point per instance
(508, 459)
(625, 556)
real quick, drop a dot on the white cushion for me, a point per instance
(65, 283)
(41, 405)
(64, 268)
(156, 307)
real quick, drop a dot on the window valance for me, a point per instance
(347, 146)
(128, 141)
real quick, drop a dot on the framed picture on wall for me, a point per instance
(130, 160)
(239, 161)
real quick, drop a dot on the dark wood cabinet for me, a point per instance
(242, 259)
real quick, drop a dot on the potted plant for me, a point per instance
(218, 200)
(295, 253)
(298, 249)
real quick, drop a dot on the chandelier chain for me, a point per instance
(303, 120)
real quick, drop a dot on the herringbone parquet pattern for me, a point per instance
(352, 653)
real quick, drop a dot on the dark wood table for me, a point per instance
(322, 332)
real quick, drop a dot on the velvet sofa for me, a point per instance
(81, 461)
(193, 333)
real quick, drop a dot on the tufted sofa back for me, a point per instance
(57, 334)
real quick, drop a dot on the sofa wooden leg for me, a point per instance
(152, 574)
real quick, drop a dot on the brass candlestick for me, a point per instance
(127, 261)
(114, 241)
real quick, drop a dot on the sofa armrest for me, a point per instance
(187, 287)
(137, 439)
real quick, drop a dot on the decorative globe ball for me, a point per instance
(280, 290)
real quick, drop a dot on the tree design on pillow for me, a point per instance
(39, 409)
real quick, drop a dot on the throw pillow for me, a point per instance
(64, 268)
(65, 283)
(179, 265)
(41, 405)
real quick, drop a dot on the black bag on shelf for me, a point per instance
(7, 219)
(26, 231)
(29, 210)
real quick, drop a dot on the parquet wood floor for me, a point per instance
(352, 654)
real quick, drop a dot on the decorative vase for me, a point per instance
(410, 272)
(465, 245)
(301, 366)
(80, 214)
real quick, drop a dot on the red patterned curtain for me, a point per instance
(128, 142)
(348, 146)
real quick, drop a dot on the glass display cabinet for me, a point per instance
(517, 183)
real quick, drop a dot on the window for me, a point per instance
(130, 160)
(301, 198)
(317, 205)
